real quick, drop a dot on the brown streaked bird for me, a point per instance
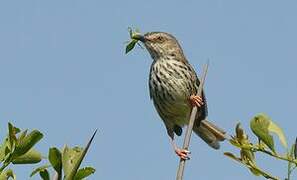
(173, 85)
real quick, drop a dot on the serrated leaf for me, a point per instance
(84, 172)
(5, 175)
(259, 125)
(277, 130)
(44, 174)
(27, 142)
(41, 168)
(31, 157)
(131, 45)
(55, 158)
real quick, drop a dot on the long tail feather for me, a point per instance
(210, 133)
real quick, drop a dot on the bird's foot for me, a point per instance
(196, 101)
(183, 153)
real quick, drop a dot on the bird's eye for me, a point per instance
(160, 38)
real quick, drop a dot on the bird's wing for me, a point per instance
(150, 73)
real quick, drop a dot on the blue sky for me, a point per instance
(63, 71)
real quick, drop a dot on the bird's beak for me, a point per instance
(139, 37)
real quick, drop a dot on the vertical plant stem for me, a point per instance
(289, 154)
(187, 139)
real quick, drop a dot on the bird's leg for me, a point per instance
(182, 153)
(196, 101)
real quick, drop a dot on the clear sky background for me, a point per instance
(63, 71)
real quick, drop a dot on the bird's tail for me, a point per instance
(210, 133)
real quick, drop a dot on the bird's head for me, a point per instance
(161, 45)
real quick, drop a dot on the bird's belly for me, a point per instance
(180, 113)
(175, 108)
(170, 92)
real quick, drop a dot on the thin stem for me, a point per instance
(289, 171)
(260, 149)
(276, 155)
(265, 174)
(187, 139)
(4, 165)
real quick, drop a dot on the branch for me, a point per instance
(186, 144)
(275, 155)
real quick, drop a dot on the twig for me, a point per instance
(182, 162)
(255, 148)
(288, 159)
(263, 173)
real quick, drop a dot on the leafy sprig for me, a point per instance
(18, 148)
(134, 38)
(262, 126)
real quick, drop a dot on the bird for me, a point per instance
(173, 86)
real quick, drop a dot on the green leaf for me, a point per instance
(264, 125)
(4, 149)
(247, 155)
(41, 168)
(134, 36)
(239, 132)
(5, 175)
(55, 159)
(22, 135)
(27, 142)
(241, 137)
(131, 45)
(277, 130)
(31, 157)
(72, 158)
(259, 125)
(84, 172)
(12, 131)
(44, 174)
